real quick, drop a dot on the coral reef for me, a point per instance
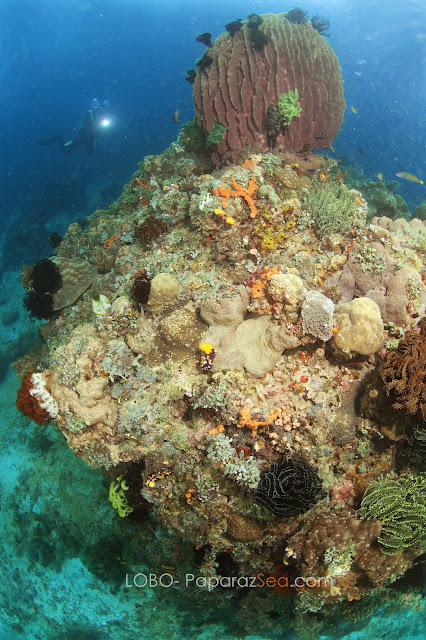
(226, 367)
(344, 550)
(250, 68)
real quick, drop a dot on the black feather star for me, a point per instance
(289, 487)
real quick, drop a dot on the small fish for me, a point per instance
(409, 176)
(380, 176)
(358, 73)
(170, 187)
(361, 151)
(354, 110)
(176, 113)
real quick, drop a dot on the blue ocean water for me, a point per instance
(63, 574)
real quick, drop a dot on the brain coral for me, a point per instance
(241, 83)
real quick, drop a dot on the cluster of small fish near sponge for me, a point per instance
(240, 79)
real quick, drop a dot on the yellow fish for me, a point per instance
(354, 110)
(409, 176)
(176, 113)
(380, 176)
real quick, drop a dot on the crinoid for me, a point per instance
(320, 24)
(150, 230)
(404, 372)
(289, 487)
(141, 287)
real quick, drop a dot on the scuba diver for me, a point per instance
(95, 121)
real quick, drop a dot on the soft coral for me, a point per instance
(28, 404)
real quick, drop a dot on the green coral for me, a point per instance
(289, 106)
(333, 207)
(117, 496)
(192, 137)
(420, 211)
(217, 134)
(400, 505)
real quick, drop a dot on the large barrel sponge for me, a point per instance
(239, 85)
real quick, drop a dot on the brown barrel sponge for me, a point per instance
(241, 83)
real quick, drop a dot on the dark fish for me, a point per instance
(362, 151)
